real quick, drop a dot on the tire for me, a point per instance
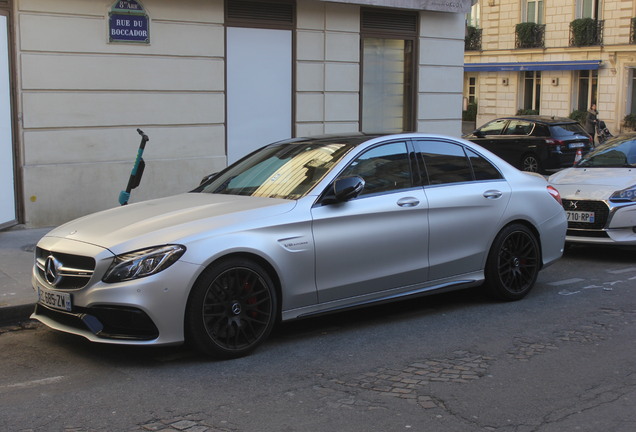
(232, 309)
(530, 163)
(513, 263)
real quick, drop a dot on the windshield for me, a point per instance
(618, 153)
(287, 170)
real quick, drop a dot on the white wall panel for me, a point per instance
(7, 180)
(130, 72)
(71, 109)
(259, 88)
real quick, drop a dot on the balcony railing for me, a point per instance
(586, 32)
(632, 32)
(529, 35)
(472, 42)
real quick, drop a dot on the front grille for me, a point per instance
(587, 233)
(75, 270)
(600, 209)
(108, 322)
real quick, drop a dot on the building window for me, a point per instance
(587, 89)
(473, 17)
(388, 70)
(631, 109)
(531, 91)
(533, 11)
(471, 89)
(588, 9)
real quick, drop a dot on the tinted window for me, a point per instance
(541, 130)
(482, 169)
(567, 130)
(618, 153)
(383, 168)
(518, 127)
(444, 162)
(493, 128)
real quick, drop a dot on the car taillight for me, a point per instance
(555, 194)
(553, 141)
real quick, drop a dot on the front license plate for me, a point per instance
(54, 299)
(580, 216)
(576, 145)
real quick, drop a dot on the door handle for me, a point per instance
(493, 194)
(408, 202)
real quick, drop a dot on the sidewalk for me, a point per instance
(17, 298)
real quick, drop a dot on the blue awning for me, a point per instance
(533, 66)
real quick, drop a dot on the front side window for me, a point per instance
(519, 127)
(384, 168)
(495, 127)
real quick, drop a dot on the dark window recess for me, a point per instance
(383, 21)
(255, 13)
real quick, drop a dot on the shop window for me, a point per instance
(531, 91)
(388, 70)
(587, 89)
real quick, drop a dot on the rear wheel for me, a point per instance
(529, 162)
(232, 308)
(513, 263)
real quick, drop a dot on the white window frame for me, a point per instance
(539, 11)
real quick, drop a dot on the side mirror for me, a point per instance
(347, 188)
(478, 133)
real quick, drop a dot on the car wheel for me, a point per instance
(530, 163)
(232, 309)
(513, 263)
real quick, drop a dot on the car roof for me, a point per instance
(549, 120)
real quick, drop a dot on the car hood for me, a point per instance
(169, 220)
(592, 183)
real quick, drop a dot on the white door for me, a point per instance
(7, 174)
(259, 89)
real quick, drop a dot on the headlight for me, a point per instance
(624, 195)
(142, 263)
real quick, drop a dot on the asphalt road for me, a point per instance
(563, 359)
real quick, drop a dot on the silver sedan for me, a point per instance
(298, 228)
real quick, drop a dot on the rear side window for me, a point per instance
(482, 169)
(567, 130)
(541, 130)
(444, 162)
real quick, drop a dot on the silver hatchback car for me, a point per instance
(298, 228)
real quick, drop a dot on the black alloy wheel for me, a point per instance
(513, 263)
(232, 309)
(530, 163)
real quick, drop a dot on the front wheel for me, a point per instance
(513, 263)
(232, 309)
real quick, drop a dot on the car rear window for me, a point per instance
(567, 130)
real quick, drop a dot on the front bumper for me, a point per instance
(146, 311)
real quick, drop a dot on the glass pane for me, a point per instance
(445, 162)
(483, 169)
(384, 80)
(384, 168)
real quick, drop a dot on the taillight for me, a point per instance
(555, 194)
(554, 142)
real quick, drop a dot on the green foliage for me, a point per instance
(630, 121)
(579, 116)
(471, 113)
(584, 32)
(527, 112)
(527, 34)
(472, 42)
